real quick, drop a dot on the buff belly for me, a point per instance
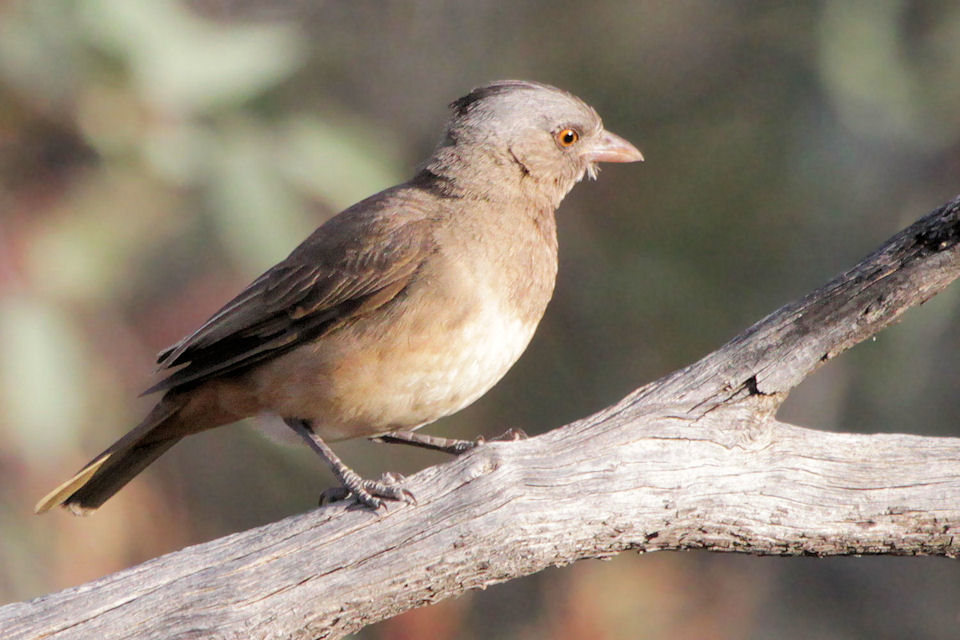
(420, 367)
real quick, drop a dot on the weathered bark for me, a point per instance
(694, 460)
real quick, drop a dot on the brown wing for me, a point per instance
(356, 262)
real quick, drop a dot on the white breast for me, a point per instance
(488, 346)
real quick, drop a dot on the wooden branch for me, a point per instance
(694, 460)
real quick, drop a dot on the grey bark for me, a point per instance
(694, 460)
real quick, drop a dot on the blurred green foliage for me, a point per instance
(157, 155)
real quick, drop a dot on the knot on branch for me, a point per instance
(945, 232)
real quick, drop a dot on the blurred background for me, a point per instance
(156, 156)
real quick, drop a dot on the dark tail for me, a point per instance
(111, 470)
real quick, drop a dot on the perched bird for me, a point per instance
(400, 310)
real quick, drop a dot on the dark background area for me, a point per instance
(157, 156)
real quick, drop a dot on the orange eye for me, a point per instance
(568, 137)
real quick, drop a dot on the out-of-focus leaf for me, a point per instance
(85, 251)
(180, 151)
(338, 159)
(184, 63)
(41, 379)
(257, 217)
(38, 45)
(874, 82)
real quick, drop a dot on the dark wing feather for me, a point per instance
(356, 262)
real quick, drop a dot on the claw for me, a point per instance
(369, 492)
(511, 435)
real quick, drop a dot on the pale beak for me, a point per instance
(610, 147)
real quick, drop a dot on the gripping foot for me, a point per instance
(367, 492)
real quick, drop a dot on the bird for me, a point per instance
(402, 309)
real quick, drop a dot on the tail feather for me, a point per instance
(106, 474)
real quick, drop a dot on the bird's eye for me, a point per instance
(568, 137)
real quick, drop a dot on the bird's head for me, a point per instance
(512, 138)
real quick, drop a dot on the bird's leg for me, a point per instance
(452, 446)
(368, 492)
